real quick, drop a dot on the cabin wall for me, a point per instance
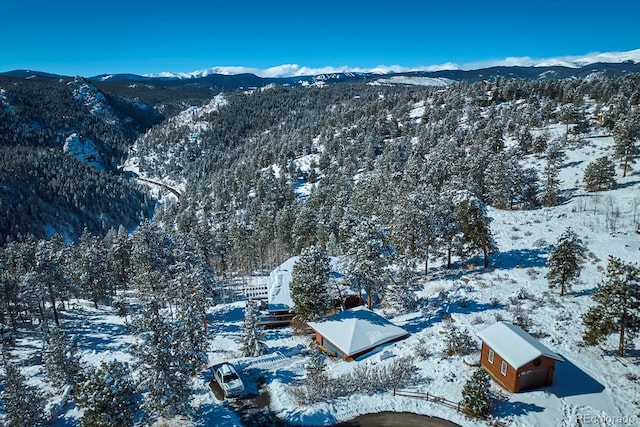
(508, 381)
(536, 374)
(329, 346)
(530, 376)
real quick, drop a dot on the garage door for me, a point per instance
(533, 379)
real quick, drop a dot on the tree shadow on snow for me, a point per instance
(627, 184)
(506, 408)
(631, 356)
(522, 258)
(443, 314)
(229, 320)
(584, 292)
(570, 380)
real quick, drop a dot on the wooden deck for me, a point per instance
(276, 320)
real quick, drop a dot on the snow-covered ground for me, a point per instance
(3, 100)
(413, 81)
(84, 150)
(591, 382)
(194, 120)
(93, 99)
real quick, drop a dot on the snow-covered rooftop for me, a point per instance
(279, 294)
(515, 345)
(356, 330)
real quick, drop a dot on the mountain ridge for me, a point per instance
(569, 66)
(295, 70)
(250, 80)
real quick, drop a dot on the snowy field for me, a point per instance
(592, 382)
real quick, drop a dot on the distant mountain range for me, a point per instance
(294, 70)
(612, 64)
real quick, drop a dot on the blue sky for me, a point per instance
(86, 38)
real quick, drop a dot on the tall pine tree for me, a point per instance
(253, 337)
(163, 366)
(309, 284)
(108, 397)
(599, 175)
(626, 134)
(23, 404)
(401, 293)
(474, 222)
(61, 362)
(476, 394)
(367, 252)
(617, 309)
(565, 261)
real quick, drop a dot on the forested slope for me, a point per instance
(277, 169)
(61, 142)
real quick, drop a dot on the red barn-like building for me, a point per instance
(515, 359)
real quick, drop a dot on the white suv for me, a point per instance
(229, 381)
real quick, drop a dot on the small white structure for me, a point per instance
(352, 333)
(279, 293)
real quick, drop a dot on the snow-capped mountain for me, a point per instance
(295, 70)
(632, 56)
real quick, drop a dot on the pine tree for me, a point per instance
(565, 261)
(617, 308)
(163, 365)
(315, 383)
(192, 285)
(414, 230)
(152, 256)
(401, 293)
(108, 397)
(550, 175)
(476, 394)
(459, 342)
(368, 253)
(49, 272)
(569, 114)
(599, 175)
(23, 404)
(539, 145)
(304, 228)
(118, 256)
(474, 221)
(626, 134)
(309, 284)
(61, 362)
(253, 337)
(90, 269)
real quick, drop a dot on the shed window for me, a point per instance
(490, 357)
(503, 368)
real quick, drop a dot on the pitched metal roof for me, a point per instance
(356, 330)
(514, 345)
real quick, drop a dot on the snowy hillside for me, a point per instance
(93, 100)
(444, 204)
(592, 381)
(186, 127)
(83, 149)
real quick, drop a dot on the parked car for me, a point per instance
(228, 380)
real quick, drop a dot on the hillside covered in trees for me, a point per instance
(405, 182)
